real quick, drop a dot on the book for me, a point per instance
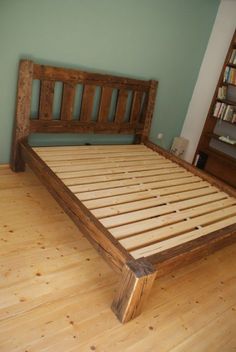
(222, 92)
(232, 59)
(230, 75)
(228, 115)
(217, 108)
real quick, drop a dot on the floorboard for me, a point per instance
(55, 290)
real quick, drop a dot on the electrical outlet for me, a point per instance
(159, 135)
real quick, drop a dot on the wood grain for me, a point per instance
(46, 100)
(134, 289)
(22, 117)
(68, 98)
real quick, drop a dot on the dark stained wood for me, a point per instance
(149, 109)
(221, 168)
(68, 99)
(109, 247)
(22, 119)
(46, 99)
(135, 286)
(63, 74)
(138, 124)
(121, 105)
(136, 106)
(186, 253)
(57, 126)
(212, 180)
(225, 162)
(105, 104)
(87, 103)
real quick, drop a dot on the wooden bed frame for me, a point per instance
(190, 201)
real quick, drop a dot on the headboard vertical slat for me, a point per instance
(105, 104)
(46, 99)
(121, 105)
(149, 109)
(68, 99)
(23, 107)
(136, 106)
(87, 103)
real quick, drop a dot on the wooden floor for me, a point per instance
(55, 291)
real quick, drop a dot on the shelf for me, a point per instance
(231, 65)
(216, 118)
(228, 84)
(216, 137)
(226, 101)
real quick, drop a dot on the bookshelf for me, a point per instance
(214, 154)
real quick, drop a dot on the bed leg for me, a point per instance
(17, 163)
(136, 283)
(22, 119)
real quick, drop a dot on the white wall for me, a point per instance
(212, 63)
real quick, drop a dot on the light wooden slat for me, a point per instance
(156, 235)
(46, 100)
(108, 164)
(98, 203)
(136, 106)
(121, 105)
(90, 148)
(136, 188)
(92, 157)
(146, 203)
(175, 241)
(120, 176)
(97, 160)
(87, 103)
(68, 99)
(130, 217)
(109, 151)
(127, 182)
(164, 220)
(110, 171)
(105, 104)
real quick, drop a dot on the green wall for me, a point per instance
(159, 39)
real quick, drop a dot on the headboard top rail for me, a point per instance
(43, 72)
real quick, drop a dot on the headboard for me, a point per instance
(133, 119)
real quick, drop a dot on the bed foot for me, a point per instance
(136, 283)
(17, 162)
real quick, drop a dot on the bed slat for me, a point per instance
(176, 241)
(127, 182)
(98, 203)
(151, 202)
(131, 217)
(114, 165)
(118, 177)
(136, 188)
(156, 235)
(164, 220)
